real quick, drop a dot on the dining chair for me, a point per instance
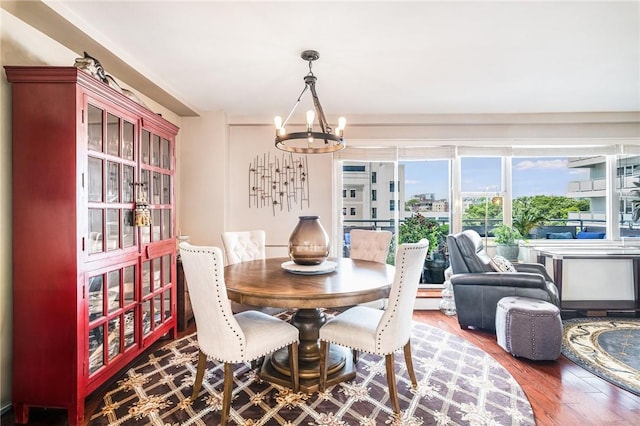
(243, 246)
(224, 336)
(372, 246)
(381, 332)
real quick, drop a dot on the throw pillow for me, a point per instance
(584, 235)
(559, 236)
(501, 264)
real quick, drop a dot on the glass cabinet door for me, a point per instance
(111, 315)
(111, 173)
(156, 292)
(156, 179)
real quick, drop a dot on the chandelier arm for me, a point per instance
(321, 118)
(295, 106)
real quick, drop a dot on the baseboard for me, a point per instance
(427, 304)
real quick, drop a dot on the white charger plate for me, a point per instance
(323, 268)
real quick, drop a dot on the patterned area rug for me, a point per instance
(458, 384)
(607, 347)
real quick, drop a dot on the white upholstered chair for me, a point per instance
(243, 246)
(224, 336)
(381, 332)
(372, 246)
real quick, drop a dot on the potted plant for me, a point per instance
(525, 217)
(416, 227)
(506, 239)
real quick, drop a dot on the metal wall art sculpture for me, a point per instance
(278, 183)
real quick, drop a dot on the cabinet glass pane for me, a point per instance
(146, 317)
(114, 337)
(166, 268)
(145, 177)
(166, 224)
(127, 184)
(94, 129)
(113, 229)
(145, 147)
(129, 284)
(166, 154)
(96, 300)
(157, 310)
(95, 231)
(155, 153)
(128, 236)
(113, 135)
(129, 328)
(166, 189)
(96, 348)
(155, 223)
(113, 291)
(127, 140)
(113, 181)
(167, 305)
(145, 234)
(146, 278)
(157, 188)
(157, 280)
(95, 179)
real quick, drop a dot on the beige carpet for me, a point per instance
(459, 384)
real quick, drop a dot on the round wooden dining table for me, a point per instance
(266, 283)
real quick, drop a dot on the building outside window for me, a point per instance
(374, 194)
(352, 193)
(353, 211)
(392, 186)
(344, 211)
(374, 213)
(392, 205)
(374, 177)
(344, 193)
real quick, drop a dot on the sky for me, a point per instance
(531, 176)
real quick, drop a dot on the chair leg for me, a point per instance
(409, 362)
(227, 392)
(293, 366)
(202, 364)
(391, 383)
(356, 356)
(324, 353)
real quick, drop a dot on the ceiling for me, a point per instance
(394, 57)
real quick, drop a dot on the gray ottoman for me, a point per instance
(529, 328)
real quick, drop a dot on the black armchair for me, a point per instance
(477, 288)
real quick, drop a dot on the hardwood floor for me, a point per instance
(561, 393)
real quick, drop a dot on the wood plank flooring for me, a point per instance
(560, 392)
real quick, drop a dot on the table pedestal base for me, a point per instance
(340, 360)
(310, 383)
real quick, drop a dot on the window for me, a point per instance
(426, 189)
(374, 195)
(353, 168)
(344, 193)
(392, 186)
(547, 196)
(352, 193)
(481, 184)
(374, 177)
(392, 205)
(628, 175)
(374, 213)
(344, 211)
(353, 211)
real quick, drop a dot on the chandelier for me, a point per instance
(310, 142)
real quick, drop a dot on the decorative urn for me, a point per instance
(309, 242)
